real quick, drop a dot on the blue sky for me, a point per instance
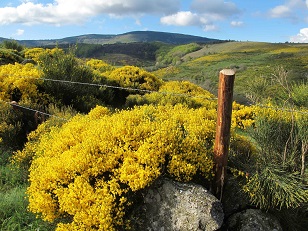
(242, 20)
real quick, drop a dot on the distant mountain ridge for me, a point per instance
(130, 37)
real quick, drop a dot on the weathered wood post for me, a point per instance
(222, 139)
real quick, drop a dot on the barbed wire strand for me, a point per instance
(61, 118)
(33, 110)
(123, 88)
(165, 93)
(151, 91)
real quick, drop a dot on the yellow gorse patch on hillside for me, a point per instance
(290, 49)
(171, 70)
(212, 58)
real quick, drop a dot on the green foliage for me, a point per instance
(66, 67)
(272, 187)
(12, 44)
(253, 62)
(300, 94)
(274, 179)
(14, 214)
(242, 154)
(9, 56)
(10, 127)
(11, 177)
(272, 135)
(174, 55)
(84, 50)
(10, 52)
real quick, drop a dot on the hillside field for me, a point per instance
(85, 129)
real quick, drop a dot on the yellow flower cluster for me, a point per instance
(99, 65)
(242, 116)
(35, 53)
(21, 77)
(178, 92)
(85, 169)
(274, 113)
(134, 77)
(290, 49)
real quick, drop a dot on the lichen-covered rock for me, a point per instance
(253, 220)
(174, 206)
(234, 199)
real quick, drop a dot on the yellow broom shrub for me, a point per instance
(86, 170)
(21, 77)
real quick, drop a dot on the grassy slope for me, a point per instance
(251, 60)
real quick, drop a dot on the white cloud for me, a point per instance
(183, 18)
(237, 23)
(187, 18)
(20, 32)
(281, 11)
(301, 37)
(204, 13)
(138, 22)
(78, 11)
(288, 10)
(210, 27)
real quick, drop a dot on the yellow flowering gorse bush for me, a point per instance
(175, 92)
(86, 169)
(99, 65)
(134, 77)
(36, 52)
(21, 77)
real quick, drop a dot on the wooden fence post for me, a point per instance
(222, 139)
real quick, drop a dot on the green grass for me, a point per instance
(14, 215)
(11, 177)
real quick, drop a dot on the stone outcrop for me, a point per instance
(253, 220)
(172, 206)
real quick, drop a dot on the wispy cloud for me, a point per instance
(216, 8)
(281, 11)
(237, 23)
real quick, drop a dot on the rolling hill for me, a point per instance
(130, 37)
